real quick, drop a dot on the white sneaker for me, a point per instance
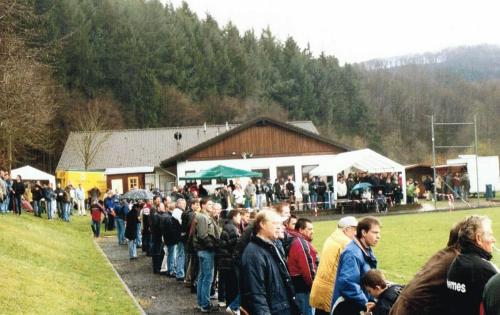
(222, 304)
(230, 311)
(215, 296)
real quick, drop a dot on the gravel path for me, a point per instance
(156, 294)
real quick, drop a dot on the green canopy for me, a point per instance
(221, 172)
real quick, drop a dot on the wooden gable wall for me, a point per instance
(265, 141)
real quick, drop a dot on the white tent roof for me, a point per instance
(30, 173)
(365, 160)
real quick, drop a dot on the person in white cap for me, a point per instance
(322, 288)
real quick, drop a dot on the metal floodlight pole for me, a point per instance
(434, 162)
(434, 147)
(477, 164)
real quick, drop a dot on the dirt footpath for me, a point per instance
(156, 294)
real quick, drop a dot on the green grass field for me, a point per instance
(409, 240)
(55, 268)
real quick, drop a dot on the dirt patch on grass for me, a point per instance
(156, 294)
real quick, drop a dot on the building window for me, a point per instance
(133, 182)
(206, 182)
(306, 169)
(284, 171)
(220, 181)
(265, 174)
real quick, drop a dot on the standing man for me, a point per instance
(355, 261)
(59, 199)
(302, 263)
(322, 288)
(259, 191)
(121, 210)
(18, 190)
(157, 216)
(49, 196)
(471, 270)
(265, 284)
(290, 191)
(80, 200)
(37, 193)
(250, 191)
(177, 223)
(304, 190)
(268, 189)
(206, 237)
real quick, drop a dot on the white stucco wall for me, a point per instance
(255, 163)
(262, 163)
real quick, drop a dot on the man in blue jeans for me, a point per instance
(205, 239)
(121, 210)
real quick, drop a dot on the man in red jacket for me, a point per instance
(302, 263)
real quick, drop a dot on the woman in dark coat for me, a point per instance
(131, 230)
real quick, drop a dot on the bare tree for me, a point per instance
(27, 104)
(91, 124)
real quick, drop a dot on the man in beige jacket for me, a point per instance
(322, 288)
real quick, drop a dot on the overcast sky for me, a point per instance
(358, 30)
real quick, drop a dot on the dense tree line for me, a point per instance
(154, 65)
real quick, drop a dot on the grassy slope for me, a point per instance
(54, 268)
(409, 240)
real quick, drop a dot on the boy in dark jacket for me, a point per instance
(386, 295)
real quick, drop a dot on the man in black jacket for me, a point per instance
(18, 190)
(157, 220)
(37, 193)
(266, 287)
(471, 270)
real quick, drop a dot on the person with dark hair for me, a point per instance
(205, 240)
(96, 211)
(426, 293)
(157, 217)
(266, 287)
(357, 258)
(18, 190)
(302, 263)
(132, 218)
(386, 294)
(228, 267)
(471, 270)
(491, 298)
(290, 223)
(37, 193)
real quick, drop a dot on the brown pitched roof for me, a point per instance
(256, 121)
(147, 147)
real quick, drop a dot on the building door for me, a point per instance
(117, 185)
(133, 182)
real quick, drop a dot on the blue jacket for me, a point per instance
(353, 265)
(121, 210)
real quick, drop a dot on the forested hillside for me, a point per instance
(143, 64)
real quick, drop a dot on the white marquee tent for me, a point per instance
(30, 173)
(365, 160)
